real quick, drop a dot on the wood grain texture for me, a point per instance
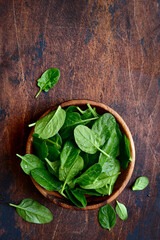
(107, 51)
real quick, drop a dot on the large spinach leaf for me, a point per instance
(46, 180)
(32, 211)
(67, 157)
(89, 176)
(48, 79)
(30, 162)
(87, 140)
(49, 125)
(140, 183)
(107, 217)
(104, 126)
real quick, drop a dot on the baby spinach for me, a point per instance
(53, 167)
(40, 147)
(46, 180)
(121, 210)
(107, 217)
(87, 140)
(89, 192)
(48, 79)
(49, 125)
(67, 158)
(30, 162)
(104, 126)
(140, 183)
(78, 199)
(89, 176)
(32, 211)
(124, 148)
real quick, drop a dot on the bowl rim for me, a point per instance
(58, 199)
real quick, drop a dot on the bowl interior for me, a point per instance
(93, 201)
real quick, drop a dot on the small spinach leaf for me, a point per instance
(121, 210)
(140, 183)
(32, 211)
(104, 126)
(30, 162)
(49, 125)
(46, 180)
(107, 217)
(48, 79)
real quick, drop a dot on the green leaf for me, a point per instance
(73, 119)
(89, 176)
(140, 183)
(49, 125)
(40, 147)
(124, 156)
(107, 217)
(67, 158)
(53, 167)
(77, 199)
(46, 180)
(104, 126)
(86, 139)
(110, 147)
(89, 192)
(30, 162)
(48, 79)
(32, 211)
(79, 196)
(121, 210)
(71, 109)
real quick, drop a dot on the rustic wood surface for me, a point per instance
(107, 51)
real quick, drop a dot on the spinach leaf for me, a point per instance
(32, 211)
(110, 147)
(76, 198)
(67, 158)
(104, 190)
(107, 217)
(104, 126)
(47, 147)
(89, 176)
(124, 148)
(48, 79)
(40, 147)
(53, 167)
(72, 171)
(140, 183)
(71, 109)
(100, 182)
(46, 180)
(89, 159)
(73, 119)
(121, 210)
(30, 162)
(87, 140)
(49, 125)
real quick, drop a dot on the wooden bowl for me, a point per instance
(94, 202)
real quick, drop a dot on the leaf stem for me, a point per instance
(107, 155)
(12, 205)
(80, 110)
(54, 143)
(32, 124)
(92, 111)
(38, 93)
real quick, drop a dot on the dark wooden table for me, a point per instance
(107, 51)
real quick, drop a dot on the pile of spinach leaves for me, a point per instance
(77, 152)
